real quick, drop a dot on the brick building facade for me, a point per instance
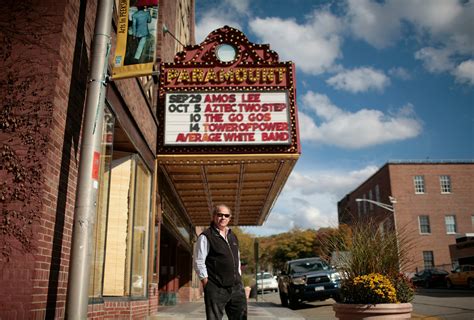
(432, 203)
(45, 59)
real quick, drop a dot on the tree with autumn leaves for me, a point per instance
(297, 243)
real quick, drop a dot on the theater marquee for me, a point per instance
(228, 126)
(228, 93)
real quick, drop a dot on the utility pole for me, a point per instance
(256, 267)
(390, 208)
(88, 180)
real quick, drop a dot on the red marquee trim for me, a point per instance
(247, 52)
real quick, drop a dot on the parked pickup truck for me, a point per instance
(308, 279)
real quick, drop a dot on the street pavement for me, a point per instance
(256, 310)
(261, 310)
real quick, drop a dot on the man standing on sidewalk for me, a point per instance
(217, 263)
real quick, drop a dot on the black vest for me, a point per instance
(222, 261)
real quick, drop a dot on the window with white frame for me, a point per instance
(424, 222)
(450, 223)
(419, 182)
(445, 183)
(377, 193)
(428, 259)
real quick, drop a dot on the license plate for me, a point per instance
(318, 288)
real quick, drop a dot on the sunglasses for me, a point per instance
(223, 215)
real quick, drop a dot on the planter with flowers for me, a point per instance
(248, 281)
(373, 287)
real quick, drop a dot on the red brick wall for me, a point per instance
(77, 22)
(41, 64)
(166, 16)
(153, 295)
(16, 289)
(380, 178)
(117, 308)
(410, 205)
(95, 311)
(43, 85)
(137, 105)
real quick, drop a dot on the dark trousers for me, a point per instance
(232, 300)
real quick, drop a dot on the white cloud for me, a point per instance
(364, 128)
(309, 200)
(400, 73)
(434, 15)
(465, 72)
(359, 80)
(380, 24)
(330, 182)
(241, 6)
(447, 23)
(373, 22)
(435, 60)
(214, 19)
(314, 46)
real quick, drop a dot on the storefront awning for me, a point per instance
(247, 184)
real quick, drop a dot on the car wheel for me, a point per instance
(427, 284)
(294, 302)
(470, 282)
(449, 284)
(284, 299)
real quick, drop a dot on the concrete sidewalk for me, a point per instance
(256, 310)
(260, 310)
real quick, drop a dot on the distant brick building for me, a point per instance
(433, 202)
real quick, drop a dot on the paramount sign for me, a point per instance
(250, 76)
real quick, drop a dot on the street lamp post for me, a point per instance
(391, 208)
(388, 207)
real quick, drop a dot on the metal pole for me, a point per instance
(396, 235)
(87, 186)
(256, 268)
(390, 208)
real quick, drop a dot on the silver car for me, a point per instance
(267, 282)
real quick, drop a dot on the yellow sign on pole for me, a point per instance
(136, 38)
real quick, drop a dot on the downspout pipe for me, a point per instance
(88, 181)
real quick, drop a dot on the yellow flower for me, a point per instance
(371, 288)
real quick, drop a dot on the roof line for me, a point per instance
(430, 161)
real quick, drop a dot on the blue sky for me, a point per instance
(376, 81)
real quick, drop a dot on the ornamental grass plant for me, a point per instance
(371, 263)
(248, 280)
